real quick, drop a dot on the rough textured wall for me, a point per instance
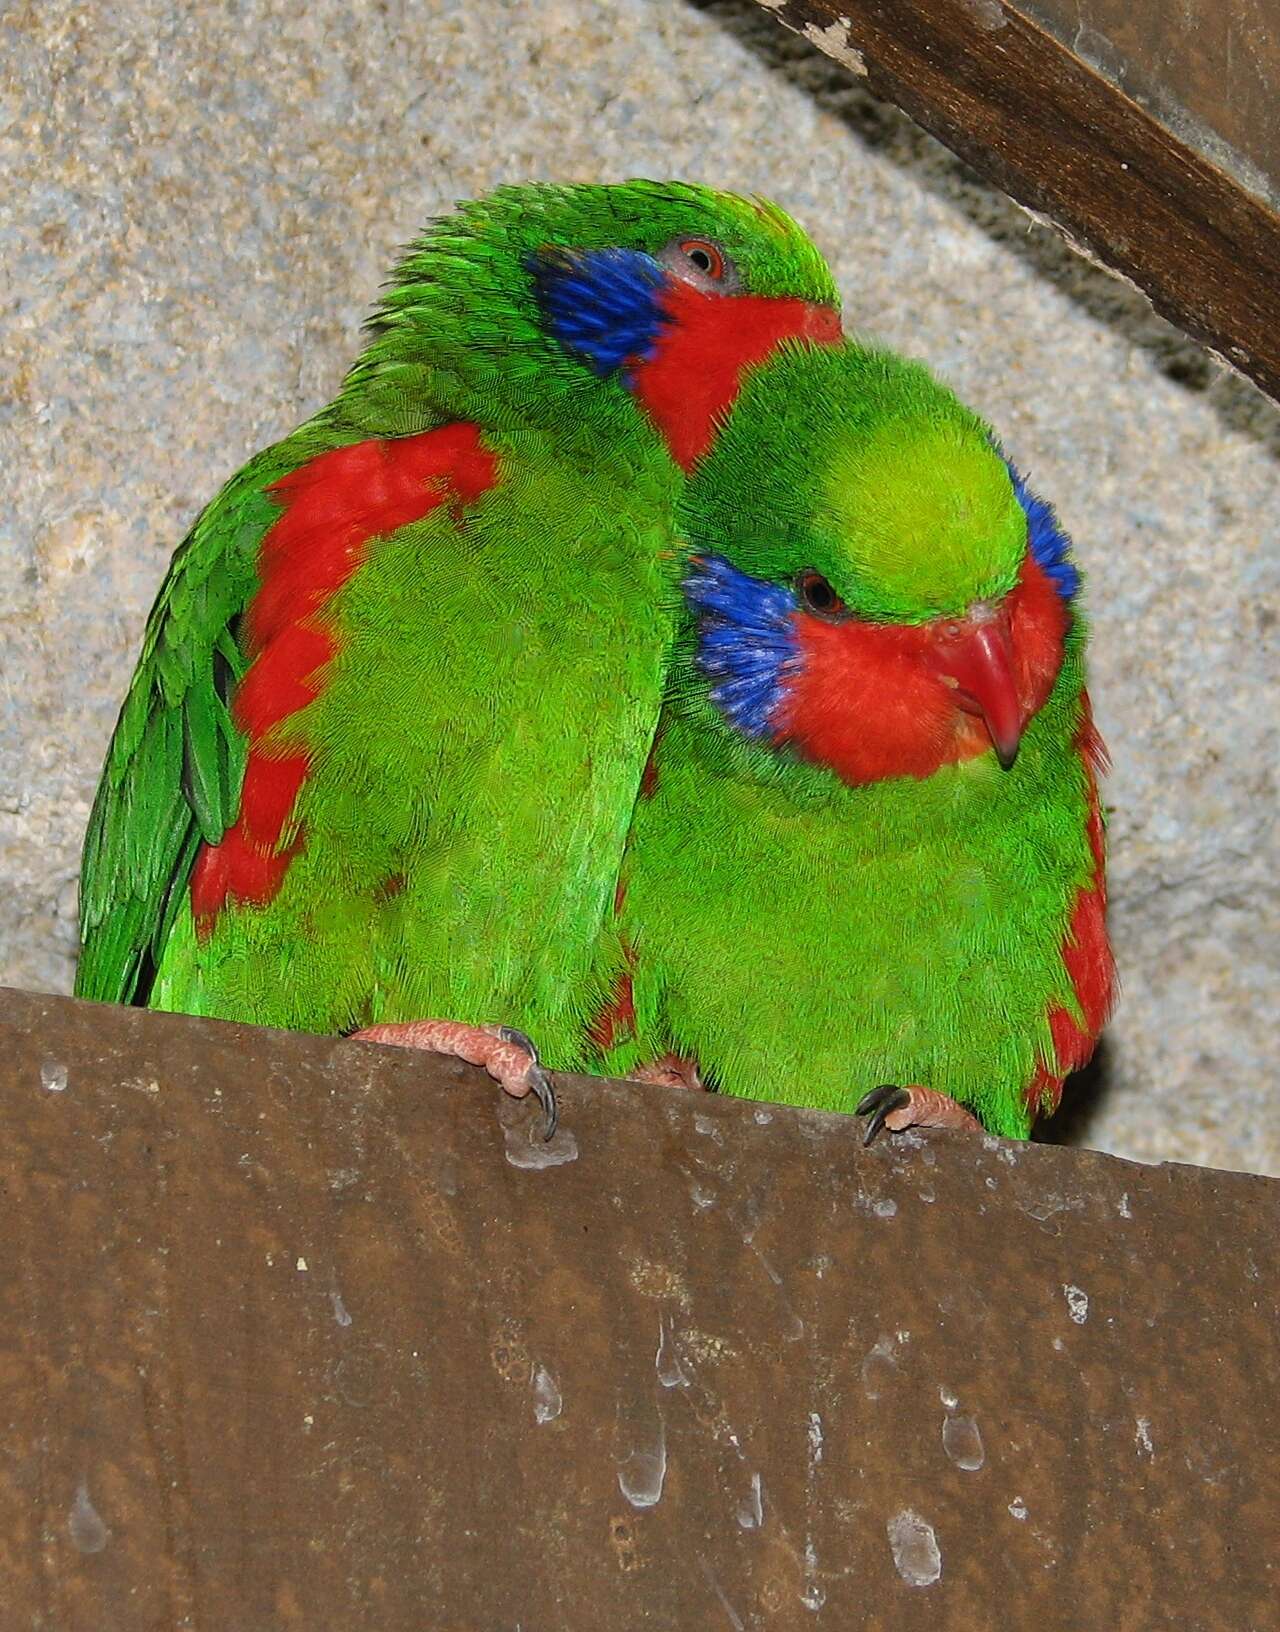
(199, 206)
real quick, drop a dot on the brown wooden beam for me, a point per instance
(1207, 69)
(298, 1333)
(1066, 141)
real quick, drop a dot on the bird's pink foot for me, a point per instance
(505, 1053)
(914, 1107)
(670, 1071)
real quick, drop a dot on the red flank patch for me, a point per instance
(332, 508)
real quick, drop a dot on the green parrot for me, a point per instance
(377, 762)
(866, 868)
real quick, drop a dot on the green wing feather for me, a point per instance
(176, 761)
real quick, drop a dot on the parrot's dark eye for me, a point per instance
(702, 262)
(816, 595)
(706, 257)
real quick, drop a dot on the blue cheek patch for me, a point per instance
(746, 646)
(1049, 545)
(601, 304)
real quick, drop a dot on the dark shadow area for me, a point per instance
(1082, 1099)
(884, 128)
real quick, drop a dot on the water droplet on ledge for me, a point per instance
(528, 1149)
(84, 1524)
(547, 1401)
(916, 1554)
(642, 1475)
(962, 1442)
(751, 1511)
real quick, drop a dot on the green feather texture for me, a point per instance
(803, 939)
(476, 746)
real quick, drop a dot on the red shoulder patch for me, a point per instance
(331, 509)
(1086, 951)
(696, 369)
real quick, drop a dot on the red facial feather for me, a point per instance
(696, 370)
(868, 702)
(332, 508)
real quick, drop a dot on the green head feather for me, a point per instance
(459, 325)
(877, 477)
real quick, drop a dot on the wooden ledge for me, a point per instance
(301, 1333)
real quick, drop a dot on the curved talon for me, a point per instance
(505, 1053)
(879, 1104)
(539, 1081)
(898, 1109)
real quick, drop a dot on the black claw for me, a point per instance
(521, 1039)
(878, 1105)
(539, 1081)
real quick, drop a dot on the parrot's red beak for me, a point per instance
(974, 655)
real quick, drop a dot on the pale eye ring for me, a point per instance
(818, 597)
(702, 262)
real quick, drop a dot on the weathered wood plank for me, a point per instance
(1067, 142)
(1207, 69)
(296, 1335)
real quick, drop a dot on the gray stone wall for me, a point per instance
(199, 204)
